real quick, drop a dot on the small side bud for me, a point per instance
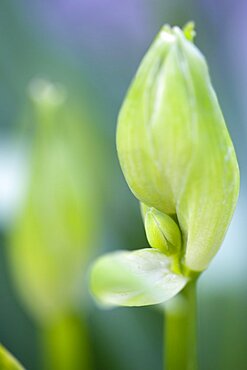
(162, 232)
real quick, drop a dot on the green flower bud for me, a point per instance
(174, 147)
(56, 229)
(162, 231)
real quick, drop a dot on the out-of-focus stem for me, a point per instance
(66, 345)
(181, 331)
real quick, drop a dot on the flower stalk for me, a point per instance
(65, 344)
(180, 341)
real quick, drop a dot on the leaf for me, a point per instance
(7, 361)
(138, 278)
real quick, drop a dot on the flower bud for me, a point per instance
(162, 231)
(58, 222)
(174, 147)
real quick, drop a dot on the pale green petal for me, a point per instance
(140, 166)
(138, 278)
(7, 361)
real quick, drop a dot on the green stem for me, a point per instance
(65, 344)
(181, 331)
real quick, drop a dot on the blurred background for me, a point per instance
(64, 70)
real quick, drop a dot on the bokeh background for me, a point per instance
(80, 57)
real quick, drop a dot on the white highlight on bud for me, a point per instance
(45, 92)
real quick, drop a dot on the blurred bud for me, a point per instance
(174, 148)
(162, 231)
(58, 225)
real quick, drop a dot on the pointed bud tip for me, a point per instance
(42, 91)
(169, 34)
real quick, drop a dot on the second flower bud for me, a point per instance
(162, 231)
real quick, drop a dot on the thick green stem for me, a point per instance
(181, 331)
(65, 344)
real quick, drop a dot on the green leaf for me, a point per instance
(7, 361)
(138, 278)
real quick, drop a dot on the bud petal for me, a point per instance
(137, 278)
